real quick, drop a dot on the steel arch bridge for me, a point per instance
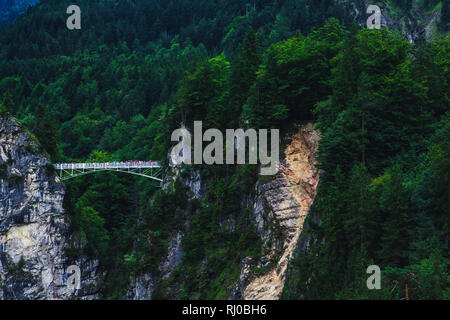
(148, 169)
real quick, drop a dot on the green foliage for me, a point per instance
(427, 280)
(93, 225)
(6, 105)
(293, 79)
(46, 129)
(380, 201)
(445, 17)
(203, 94)
(3, 170)
(118, 89)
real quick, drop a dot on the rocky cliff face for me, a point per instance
(33, 228)
(280, 209)
(412, 24)
(145, 285)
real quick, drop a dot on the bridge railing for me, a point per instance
(108, 165)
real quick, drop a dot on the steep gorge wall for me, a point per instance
(33, 227)
(280, 210)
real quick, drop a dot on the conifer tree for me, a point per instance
(244, 68)
(46, 130)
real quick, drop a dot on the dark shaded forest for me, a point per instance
(10, 10)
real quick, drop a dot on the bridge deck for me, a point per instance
(108, 165)
(148, 169)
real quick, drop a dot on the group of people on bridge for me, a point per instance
(115, 164)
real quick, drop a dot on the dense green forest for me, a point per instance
(137, 70)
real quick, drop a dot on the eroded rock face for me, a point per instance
(280, 210)
(33, 228)
(174, 256)
(412, 24)
(145, 285)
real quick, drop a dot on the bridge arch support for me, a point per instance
(147, 169)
